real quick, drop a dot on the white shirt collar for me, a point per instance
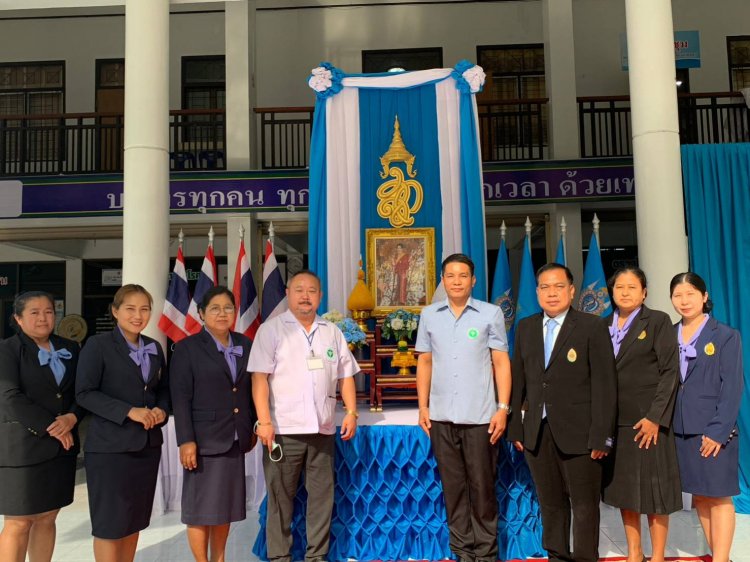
(560, 318)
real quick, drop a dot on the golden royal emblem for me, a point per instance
(572, 355)
(642, 335)
(395, 194)
(710, 349)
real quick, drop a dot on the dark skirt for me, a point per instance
(29, 490)
(716, 477)
(642, 480)
(121, 490)
(214, 493)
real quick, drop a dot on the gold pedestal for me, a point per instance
(361, 316)
(404, 360)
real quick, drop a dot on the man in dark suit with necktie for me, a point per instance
(564, 371)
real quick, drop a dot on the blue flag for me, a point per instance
(502, 291)
(594, 297)
(528, 303)
(560, 257)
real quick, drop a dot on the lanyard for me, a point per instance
(310, 339)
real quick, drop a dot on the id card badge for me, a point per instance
(314, 363)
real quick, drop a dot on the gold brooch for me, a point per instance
(710, 349)
(572, 355)
(642, 335)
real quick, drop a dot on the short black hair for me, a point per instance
(637, 271)
(554, 265)
(309, 272)
(214, 292)
(457, 258)
(696, 281)
(20, 302)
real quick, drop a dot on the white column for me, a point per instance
(662, 243)
(73, 286)
(145, 255)
(239, 33)
(560, 79)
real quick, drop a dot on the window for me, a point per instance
(738, 56)
(403, 59)
(514, 72)
(36, 88)
(203, 87)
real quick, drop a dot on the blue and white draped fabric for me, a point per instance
(54, 358)
(352, 128)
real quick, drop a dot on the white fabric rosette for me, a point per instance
(475, 77)
(320, 79)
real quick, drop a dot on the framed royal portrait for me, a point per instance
(400, 268)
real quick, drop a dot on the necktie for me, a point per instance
(140, 357)
(230, 355)
(54, 359)
(549, 340)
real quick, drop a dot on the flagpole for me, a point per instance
(211, 236)
(596, 222)
(180, 238)
(503, 230)
(271, 232)
(563, 234)
(527, 224)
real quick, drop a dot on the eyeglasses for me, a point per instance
(216, 310)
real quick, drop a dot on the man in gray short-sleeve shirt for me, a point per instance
(463, 385)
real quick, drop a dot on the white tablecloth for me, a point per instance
(169, 482)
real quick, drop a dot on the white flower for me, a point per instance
(397, 324)
(320, 80)
(411, 325)
(475, 77)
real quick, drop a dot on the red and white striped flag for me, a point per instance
(173, 317)
(206, 280)
(245, 297)
(274, 289)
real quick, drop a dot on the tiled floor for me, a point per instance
(165, 539)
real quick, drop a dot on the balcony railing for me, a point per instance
(285, 137)
(509, 130)
(705, 118)
(82, 143)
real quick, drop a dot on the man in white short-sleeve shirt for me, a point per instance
(297, 360)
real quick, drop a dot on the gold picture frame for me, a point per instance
(400, 268)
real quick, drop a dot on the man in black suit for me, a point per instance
(564, 371)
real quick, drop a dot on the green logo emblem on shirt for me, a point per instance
(329, 353)
(473, 333)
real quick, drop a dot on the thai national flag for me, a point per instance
(274, 289)
(172, 321)
(206, 280)
(245, 297)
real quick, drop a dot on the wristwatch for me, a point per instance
(503, 406)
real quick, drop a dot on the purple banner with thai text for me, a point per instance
(258, 191)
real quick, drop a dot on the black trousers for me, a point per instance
(564, 483)
(467, 463)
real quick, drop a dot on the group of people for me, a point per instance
(633, 412)
(214, 386)
(630, 410)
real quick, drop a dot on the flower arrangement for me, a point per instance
(325, 80)
(469, 77)
(353, 334)
(400, 325)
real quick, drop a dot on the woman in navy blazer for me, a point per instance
(38, 429)
(706, 410)
(122, 381)
(214, 417)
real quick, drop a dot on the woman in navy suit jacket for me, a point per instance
(38, 429)
(705, 415)
(122, 381)
(214, 416)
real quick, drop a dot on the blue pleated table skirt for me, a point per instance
(389, 502)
